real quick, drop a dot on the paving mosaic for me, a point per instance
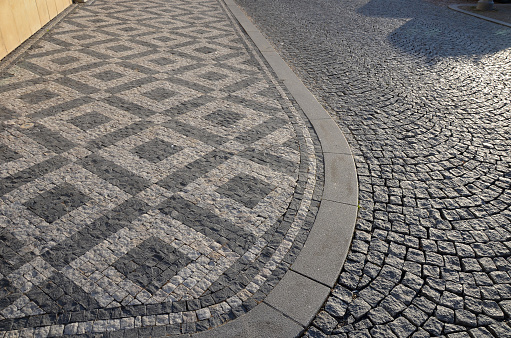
(155, 178)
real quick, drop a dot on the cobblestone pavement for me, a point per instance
(155, 178)
(423, 95)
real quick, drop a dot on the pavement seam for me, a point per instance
(312, 279)
(284, 314)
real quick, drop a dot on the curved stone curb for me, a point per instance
(458, 9)
(295, 301)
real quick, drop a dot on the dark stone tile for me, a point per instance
(79, 86)
(18, 179)
(213, 76)
(38, 96)
(140, 264)
(159, 94)
(162, 61)
(57, 202)
(205, 50)
(120, 48)
(260, 131)
(79, 243)
(66, 60)
(114, 174)
(108, 75)
(49, 138)
(224, 118)
(119, 134)
(7, 154)
(89, 121)
(156, 150)
(199, 134)
(59, 108)
(246, 189)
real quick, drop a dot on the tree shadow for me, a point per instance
(437, 32)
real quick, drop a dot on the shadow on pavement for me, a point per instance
(435, 32)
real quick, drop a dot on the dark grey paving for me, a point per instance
(89, 121)
(38, 96)
(404, 84)
(245, 189)
(115, 174)
(156, 150)
(151, 264)
(55, 203)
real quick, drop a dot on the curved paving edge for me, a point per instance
(295, 301)
(458, 9)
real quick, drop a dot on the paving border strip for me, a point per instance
(295, 301)
(458, 9)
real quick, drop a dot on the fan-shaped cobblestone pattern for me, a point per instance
(423, 95)
(155, 178)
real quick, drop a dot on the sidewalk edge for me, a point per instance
(319, 263)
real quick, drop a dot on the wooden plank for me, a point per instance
(62, 4)
(52, 8)
(8, 26)
(32, 17)
(42, 9)
(19, 11)
(3, 50)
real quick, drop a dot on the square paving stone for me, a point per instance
(38, 96)
(151, 262)
(201, 31)
(128, 29)
(156, 150)
(163, 61)
(98, 20)
(108, 75)
(82, 37)
(57, 202)
(224, 118)
(7, 154)
(159, 94)
(64, 60)
(120, 48)
(213, 76)
(246, 190)
(89, 121)
(164, 38)
(205, 50)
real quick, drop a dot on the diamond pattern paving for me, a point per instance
(38, 96)
(89, 121)
(247, 190)
(224, 118)
(141, 180)
(152, 263)
(55, 203)
(156, 150)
